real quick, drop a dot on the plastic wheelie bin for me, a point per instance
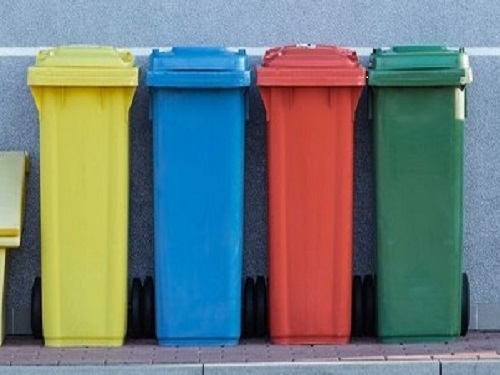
(418, 110)
(83, 95)
(310, 95)
(199, 108)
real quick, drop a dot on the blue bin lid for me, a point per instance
(198, 67)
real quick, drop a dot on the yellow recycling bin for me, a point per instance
(83, 95)
(13, 168)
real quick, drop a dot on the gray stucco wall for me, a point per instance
(257, 23)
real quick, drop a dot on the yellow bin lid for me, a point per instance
(83, 66)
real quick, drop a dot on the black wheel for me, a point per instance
(260, 307)
(369, 305)
(357, 307)
(465, 305)
(248, 317)
(148, 308)
(36, 308)
(135, 311)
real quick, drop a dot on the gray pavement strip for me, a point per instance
(319, 368)
(486, 367)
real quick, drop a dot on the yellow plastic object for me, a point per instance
(83, 95)
(12, 172)
(83, 66)
(13, 169)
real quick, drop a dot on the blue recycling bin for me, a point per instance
(198, 110)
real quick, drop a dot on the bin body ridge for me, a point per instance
(420, 209)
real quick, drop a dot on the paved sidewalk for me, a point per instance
(478, 353)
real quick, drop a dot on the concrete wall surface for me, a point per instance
(28, 25)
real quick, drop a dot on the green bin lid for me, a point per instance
(83, 66)
(419, 65)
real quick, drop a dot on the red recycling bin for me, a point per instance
(310, 94)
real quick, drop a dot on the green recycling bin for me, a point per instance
(417, 106)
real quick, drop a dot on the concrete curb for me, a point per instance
(322, 368)
(316, 368)
(434, 367)
(487, 367)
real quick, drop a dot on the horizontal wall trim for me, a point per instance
(251, 51)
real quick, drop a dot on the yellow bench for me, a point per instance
(13, 169)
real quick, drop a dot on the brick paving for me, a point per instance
(27, 351)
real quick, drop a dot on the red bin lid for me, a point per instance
(310, 65)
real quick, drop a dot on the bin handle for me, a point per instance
(305, 45)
